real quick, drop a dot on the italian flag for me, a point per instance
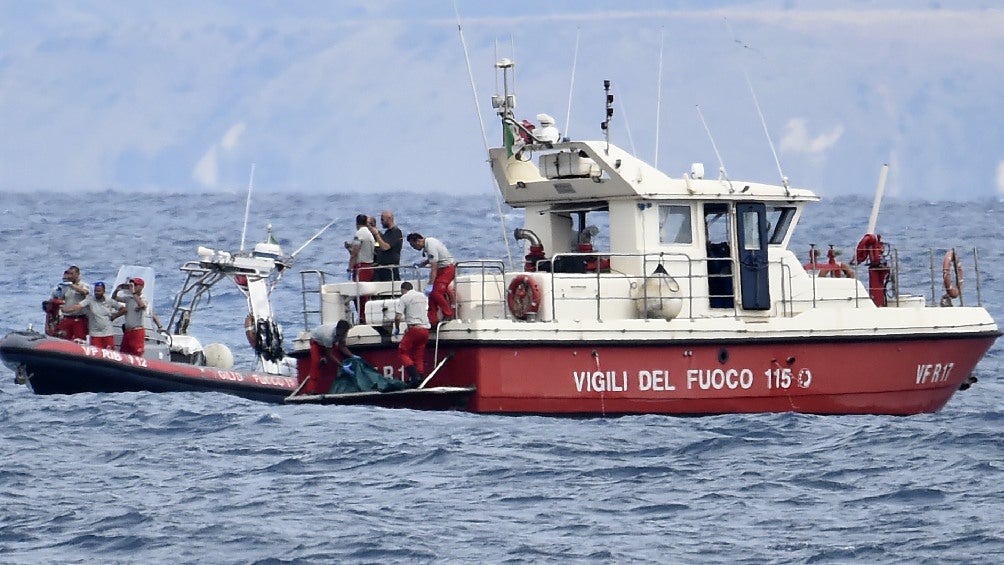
(510, 139)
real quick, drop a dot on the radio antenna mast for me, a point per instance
(484, 134)
(759, 111)
(658, 104)
(722, 173)
(571, 84)
(605, 124)
(247, 209)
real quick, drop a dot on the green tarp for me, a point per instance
(356, 375)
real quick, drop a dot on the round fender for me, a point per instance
(523, 296)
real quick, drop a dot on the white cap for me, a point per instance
(545, 119)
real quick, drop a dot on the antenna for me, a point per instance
(484, 134)
(605, 125)
(627, 127)
(722, 173)
(247, 209)
(315, 236)
(658, 104)
(571, 84)
(512, 54)
(759, 111)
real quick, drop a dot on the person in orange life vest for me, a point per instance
(327, 353)
(442, 268)
(130, 293)
(72, 291)
(412, 308)
(100, 311)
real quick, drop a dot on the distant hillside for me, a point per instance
(367, 97)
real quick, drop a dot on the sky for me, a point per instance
(377, 95)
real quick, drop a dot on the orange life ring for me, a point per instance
(523, 297)
(250, 332)
(952, 265)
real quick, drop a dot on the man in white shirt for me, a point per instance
(413, 309)
(72, 291)
(361, 250)
(442, 269)
(100, 311)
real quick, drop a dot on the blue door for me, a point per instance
(752, 238)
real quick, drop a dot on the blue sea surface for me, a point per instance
(210, 478)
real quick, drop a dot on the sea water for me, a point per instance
(210, 478)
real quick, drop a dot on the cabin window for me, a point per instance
(674, 224)
(778, 223)
(751, 230)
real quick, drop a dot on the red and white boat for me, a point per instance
(644, 293)
(640, 293)
(175, 361)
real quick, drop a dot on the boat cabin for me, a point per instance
(602, 224)
(608, 237)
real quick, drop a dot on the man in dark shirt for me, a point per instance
(388, 248)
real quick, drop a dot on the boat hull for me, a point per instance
(882, 375)
(899, 376)
(56, 366)
(437, 398)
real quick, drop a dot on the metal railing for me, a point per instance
(491, 274)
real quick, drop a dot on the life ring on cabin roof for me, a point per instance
(951, 270)
(523, 296)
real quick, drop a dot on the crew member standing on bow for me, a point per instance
(442, 269)
(413, 309)
(130, 293)
(72, 291)
(388, 248)
(99, 311)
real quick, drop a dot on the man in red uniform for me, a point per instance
(327, 353)
(72, 291)
(130, 293)
(412, 309)
(442, 269)
(99, 311)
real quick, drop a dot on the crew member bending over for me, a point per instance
(412, 309)
(442, 269)
(327, 353)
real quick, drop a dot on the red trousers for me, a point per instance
(75, 327)
(134, 342)
(104, 341)
(322, 375)
(440, 298)
(412, 347)
(362, 272)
